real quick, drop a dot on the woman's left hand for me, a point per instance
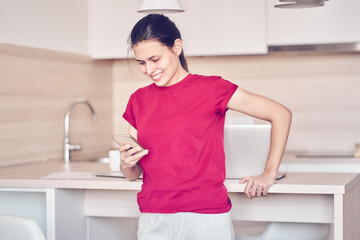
(258, 185)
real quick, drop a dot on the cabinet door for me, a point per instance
(218, 27)
(338, 21)
(110, 23)
(225, 27)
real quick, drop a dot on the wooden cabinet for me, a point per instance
(336, 22)
(226, 27)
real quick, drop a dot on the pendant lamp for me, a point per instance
(160, 6)
(299, 3)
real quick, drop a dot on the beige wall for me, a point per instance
(321, 90)
(36, 87)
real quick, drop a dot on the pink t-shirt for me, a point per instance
(182, 126)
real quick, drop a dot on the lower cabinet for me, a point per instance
(76, 214)
(28, 203)
(112, 228)
(60, 213)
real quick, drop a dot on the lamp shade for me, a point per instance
(160, 6)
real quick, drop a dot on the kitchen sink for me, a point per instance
(104, 160)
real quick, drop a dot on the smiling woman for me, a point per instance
(179, 119)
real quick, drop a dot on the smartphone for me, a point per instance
(122, 139)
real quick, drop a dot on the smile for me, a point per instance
(156, 76)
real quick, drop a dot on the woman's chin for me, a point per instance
(160, 83)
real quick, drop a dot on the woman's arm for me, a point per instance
(280, 118)
(129, 158)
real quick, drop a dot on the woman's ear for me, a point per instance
(177, 48)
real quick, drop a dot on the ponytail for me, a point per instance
(183, 61)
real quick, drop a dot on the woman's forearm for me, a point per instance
(279, 135)
(131, 173)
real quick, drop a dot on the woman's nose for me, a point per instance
(150, 68)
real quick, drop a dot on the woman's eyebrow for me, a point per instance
(150, 58)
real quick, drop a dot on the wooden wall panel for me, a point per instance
(36, 87)
(127, 79)
(322, 91)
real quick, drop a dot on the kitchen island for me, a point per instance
(69, 202)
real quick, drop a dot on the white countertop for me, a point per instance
(78, 175)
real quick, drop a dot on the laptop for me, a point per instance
(246, 150)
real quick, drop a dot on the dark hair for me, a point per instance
(157, 27)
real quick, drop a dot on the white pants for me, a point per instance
(185, 226)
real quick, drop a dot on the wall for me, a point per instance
(322, 91)
(56, 25)
(36, 88)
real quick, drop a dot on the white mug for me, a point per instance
(114, 160)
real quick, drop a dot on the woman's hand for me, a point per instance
(130, 156)
(258, 185)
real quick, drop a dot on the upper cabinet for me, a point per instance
(209, 27)
(225, 27)
(110, 23)
(338, 21)
(54, 25)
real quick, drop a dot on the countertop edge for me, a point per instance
(232, 185)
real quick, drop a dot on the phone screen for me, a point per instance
(122, 139)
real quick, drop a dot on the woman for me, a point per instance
(179, 119)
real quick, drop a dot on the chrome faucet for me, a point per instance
(67, 145)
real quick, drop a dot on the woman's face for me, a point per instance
(158, 62)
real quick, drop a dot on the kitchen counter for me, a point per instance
(57, 174)
(64, 193)
(79, 175)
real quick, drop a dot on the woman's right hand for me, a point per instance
(130, 156)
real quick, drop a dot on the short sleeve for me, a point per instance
(129, 112)
(223, 91)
